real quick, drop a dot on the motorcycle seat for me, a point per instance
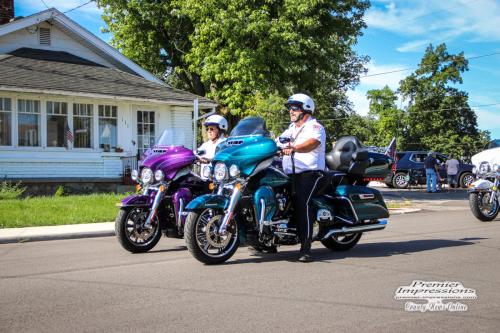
(331, 180)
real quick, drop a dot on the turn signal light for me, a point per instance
(137, 188)
(211, 186)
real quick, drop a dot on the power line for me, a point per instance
(45, 4)
(72, 9)
(410, 68)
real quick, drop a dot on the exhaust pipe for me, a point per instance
(357, 229)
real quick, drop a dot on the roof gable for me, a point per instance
(83, 36)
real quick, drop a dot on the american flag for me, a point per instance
(391, 152)
(69, 136)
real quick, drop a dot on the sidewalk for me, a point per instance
(71, 231)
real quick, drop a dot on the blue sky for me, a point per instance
(397, 34)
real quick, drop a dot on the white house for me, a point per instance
(72, 107)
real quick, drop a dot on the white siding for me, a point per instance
(59, 42)
(43, 162)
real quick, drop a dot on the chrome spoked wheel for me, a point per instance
(467, 180)
(205, 242)
(482, 208)
(132, 233)
(345, 239)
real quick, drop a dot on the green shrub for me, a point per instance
(60, 191)
(9, 190)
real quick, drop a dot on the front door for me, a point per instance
(145, 130)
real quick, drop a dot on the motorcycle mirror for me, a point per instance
(284, 139)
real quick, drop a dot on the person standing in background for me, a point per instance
(451, 171)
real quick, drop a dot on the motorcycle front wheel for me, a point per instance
(203, 240)
(481, 207)
(130, 230)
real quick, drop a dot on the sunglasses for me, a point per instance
(211, 129)
(294, 108)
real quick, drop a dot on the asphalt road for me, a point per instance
(94, 285)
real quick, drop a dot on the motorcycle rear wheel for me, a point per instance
(130, 232)
(202, 240)
(342, 243)
(480, 207)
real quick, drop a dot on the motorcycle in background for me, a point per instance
(167, 185)
(484, 194)
(255, 197)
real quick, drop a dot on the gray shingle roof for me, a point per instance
(62, 71)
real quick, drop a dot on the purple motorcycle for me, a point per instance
(167, 185)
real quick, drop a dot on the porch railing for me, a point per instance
(129, 163)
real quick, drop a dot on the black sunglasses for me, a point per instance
(294, 107)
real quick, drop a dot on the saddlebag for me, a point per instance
(359, 203)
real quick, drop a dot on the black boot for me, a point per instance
(305, 252)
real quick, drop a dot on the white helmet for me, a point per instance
(303, 100)
(218, 121)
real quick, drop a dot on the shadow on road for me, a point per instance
(175, 249)
(384, 249)
(421, 194)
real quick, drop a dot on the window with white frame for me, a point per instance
(82, 125)
(108, 115)
(29, 123)
(57, 119)
(5, 121)
(145, 130)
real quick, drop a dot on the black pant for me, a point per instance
(305, 185)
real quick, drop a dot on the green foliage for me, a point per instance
(241, 53)
(438, 115)
(60, 191)
(72, 209)
(9, 190)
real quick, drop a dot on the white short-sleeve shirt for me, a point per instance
(313, 160)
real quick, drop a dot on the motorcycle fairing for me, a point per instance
(481, 185)
(208, 201)
(135, 200)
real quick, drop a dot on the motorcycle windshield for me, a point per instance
(171, 137)
(250, 126)
(494, 144)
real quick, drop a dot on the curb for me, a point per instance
(396, 211)
(22, 235)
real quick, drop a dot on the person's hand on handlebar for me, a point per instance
(288, 150)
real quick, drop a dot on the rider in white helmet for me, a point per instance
(216, 127)
(307, 140)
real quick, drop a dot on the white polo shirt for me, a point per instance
(313, 160)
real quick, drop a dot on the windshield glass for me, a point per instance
(250, 126)
(172, 137)
(494, 144)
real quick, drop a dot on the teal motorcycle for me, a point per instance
(253, 198)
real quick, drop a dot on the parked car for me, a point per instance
(410, 166)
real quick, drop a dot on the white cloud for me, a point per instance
(437, 21)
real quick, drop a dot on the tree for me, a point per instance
(387, 118)
(438, 115)
(240, 52)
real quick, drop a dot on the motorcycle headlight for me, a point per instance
(159, 175)
(484, 167)
(207, 171)
(146, 175)
(234, 171)
(134, 175)
(220, 172)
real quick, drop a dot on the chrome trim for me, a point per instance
(281, 233)
(180, 213)
(366, 196)
(235, 198)
(352, 207)
(262, 215)
(152, 213)
(357, 229)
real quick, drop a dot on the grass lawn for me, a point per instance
(42, 211)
